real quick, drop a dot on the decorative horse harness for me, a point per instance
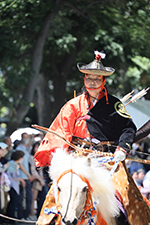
(89, 209)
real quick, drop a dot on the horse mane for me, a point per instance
(103, 190)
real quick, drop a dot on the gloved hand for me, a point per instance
(119, 155)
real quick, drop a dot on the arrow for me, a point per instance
(126, 97)
(138, 95)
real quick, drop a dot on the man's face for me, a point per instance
(25, 136)
(93, 84)
(93, 81)
(8, 142)
(25, 139)
(141, 175)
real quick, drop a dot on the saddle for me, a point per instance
(93, 144)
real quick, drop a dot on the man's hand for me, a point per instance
(120, 154)
(31, 178)
(23, 183)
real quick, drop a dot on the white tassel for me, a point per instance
(126, 97)
(100, 53)
(138, 95)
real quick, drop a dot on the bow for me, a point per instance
(85, 150)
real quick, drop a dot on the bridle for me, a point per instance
(82, 178)
(89, 203)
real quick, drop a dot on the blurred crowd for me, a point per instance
(23, 187)
(141, 171)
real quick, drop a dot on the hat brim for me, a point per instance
(3, 145)
(107, 72)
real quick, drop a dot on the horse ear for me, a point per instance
(88, 162)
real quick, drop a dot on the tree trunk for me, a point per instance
(60, 80)
(43, 106)
(36, 62)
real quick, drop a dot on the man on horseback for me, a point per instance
(94, 116)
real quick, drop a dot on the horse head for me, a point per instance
(78, 185)
(73, 200)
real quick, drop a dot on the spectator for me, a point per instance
(138, 177)
(7, 140)
(146, 184)
(38, 183)
(3, 161)
(137, 150)
(45, 189)
(16, 143)
(3, 168)
(134, 175)
(39, 137)
(13, 174)
(135, 166)
(141, 175)
(25, 199)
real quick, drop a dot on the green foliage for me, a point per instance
(142, 62)
(119, 28)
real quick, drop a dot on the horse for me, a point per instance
(76, 180)
(84, 193)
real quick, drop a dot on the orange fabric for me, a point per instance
(88, 205)
(66, 125)
(58, 221)
(44, 219)
(100, 220)
(65, 172)
(86, 181)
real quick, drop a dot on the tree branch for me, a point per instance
(78, 11)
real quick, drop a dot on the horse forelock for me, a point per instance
(98, 178)
(63, 161)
